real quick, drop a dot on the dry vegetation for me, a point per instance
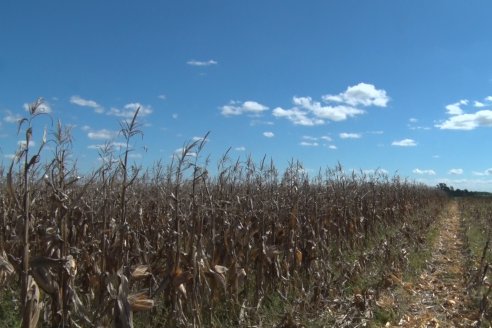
(477, 224)
(176, 246)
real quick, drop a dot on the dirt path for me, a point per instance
(438, 297)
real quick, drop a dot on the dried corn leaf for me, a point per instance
(140, 302)
(33, 295)
(141, 272)
(123, 317)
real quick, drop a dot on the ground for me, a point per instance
(438, 296)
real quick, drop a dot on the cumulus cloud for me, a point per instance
(79, 101)
(309, 112)
(467, 121)
(455, 108)
(268, 134)
(461, 120)
(194, 62)
(129, 110)
(333, 147)
(235, 108)
(297, 116)
(103, 134)
(404, 143)
(333, 113)
(424, 172)
(345, 135)
(240, 148)
(455, 171)
(361, 94)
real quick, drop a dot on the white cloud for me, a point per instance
(180, 152)
(467, 121)
(260, 122)
(103, 134)
(119, 145)
(486, 172)
(268, 134)
(332, 147)
(43, 107)
(79, 101)
(309, 112)
(9, 156)
(309, 138)
(11, 117)
(361, 94)
(162, 97)
(461, 120)
(235, 108)
(455, 171)
(333, 113)
(404, 143)
(455, 108)
(424, 172)
(114, 145)
(345, 135)
(297, 116)
(308, 144)
(202, 63)
(413, 120)
(326, 138)
(85, 128)
(240, 148)
(478, 104)
(129, 110)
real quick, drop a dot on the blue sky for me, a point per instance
(403, 86)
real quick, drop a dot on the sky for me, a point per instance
(404, 87)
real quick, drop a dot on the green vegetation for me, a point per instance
(9, 312)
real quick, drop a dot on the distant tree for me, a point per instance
(460, 193)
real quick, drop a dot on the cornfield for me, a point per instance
(177, 246)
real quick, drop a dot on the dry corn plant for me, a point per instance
(177, 246)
